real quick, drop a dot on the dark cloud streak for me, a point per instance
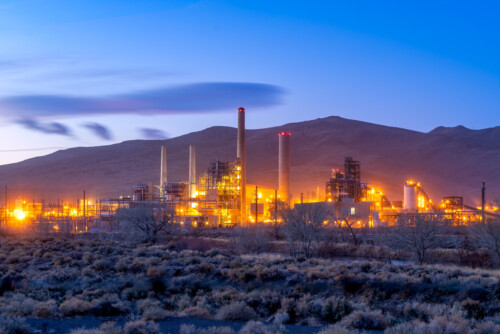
(191, 98)
(47, 128)
(99, 130)
(149, 133)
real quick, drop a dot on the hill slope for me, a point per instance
(447, 161)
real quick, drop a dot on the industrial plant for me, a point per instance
(220, 197)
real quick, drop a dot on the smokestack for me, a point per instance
(192, 171)
(241, 155)
(284, 165)
(163, 170)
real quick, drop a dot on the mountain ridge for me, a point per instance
(445, 163)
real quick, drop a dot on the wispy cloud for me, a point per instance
(99, 130)
(47, 128)
(32, 149)
(149, 133)
(190, 98)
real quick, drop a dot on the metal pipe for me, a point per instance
(284, 165)
(192, 171)
(241, 155)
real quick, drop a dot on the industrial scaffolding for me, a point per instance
(221, 182)
(346, 184)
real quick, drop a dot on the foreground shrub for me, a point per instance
(473, 308)
(75, 306)
(256, 327)
(141, 327)
(151, 309)
(365, 320)
(238, 311)
(335, 309)
(108, 327)
(46, 309)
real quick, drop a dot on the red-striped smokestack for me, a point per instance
(284, 165)
(241, 155)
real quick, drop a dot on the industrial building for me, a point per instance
(219, 196)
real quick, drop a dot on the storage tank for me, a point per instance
(410, 201)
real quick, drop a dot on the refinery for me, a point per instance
(220, 197)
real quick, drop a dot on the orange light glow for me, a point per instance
(20, 215)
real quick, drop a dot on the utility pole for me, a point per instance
(84, 213)
(275, 207)
(5, 208)
(483, 190)
(256, 204)
(301, 198)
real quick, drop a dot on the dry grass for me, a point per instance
(50, 278)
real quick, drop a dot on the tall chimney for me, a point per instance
(241, 155)
(192, 171)
(284, 165)
(163, 170)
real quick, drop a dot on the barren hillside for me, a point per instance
(447, 161)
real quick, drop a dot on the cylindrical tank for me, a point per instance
(284, 165)
(410, 201)
(241, 155)
(192, 171)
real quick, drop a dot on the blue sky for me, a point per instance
(91, 72)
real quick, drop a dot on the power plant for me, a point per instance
(219, 196)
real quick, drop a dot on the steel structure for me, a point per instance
(346, 185)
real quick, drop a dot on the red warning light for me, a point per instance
(241, 109)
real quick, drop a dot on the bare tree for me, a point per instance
(486, 235)
(275, 212)
(303, 227)
(415, 233)
(253, 239)
(345, 224)
(147, 219)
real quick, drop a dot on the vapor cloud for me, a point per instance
(148, 133)
(191, 98)
(47, 128)
(99, 130)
